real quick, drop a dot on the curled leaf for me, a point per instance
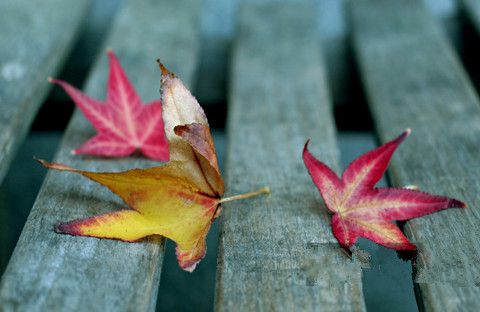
(188, 133)
(178, 200)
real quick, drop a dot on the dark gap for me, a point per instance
(212, 79)
(418, 297)
(469, 48)
(180, 290)
(216, 114)
(24, 178)
(352, 117)
(352, 113)
(388, 281)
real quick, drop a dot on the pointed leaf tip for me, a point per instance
(306, 144)
(454, 203)
(56, 81)
(405, 134)
(188, 260)
(110, 53)
(305, 148)
(52, 165)
(61, 228)
(190, 268)
(71, 228)
(164, 70)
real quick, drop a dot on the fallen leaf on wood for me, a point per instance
(178, 200)
(123, 122)
(361, 209)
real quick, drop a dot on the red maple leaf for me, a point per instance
(361, 209)
(123, 122)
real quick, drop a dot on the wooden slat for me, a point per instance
(52, 272)
(278, 252)
(413, 79)
(34, 41)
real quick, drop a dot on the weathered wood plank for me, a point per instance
(413, 79)
(35, 39)
(278, 252)
(52, 272)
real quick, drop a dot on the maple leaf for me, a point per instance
(178, 200)
(123, 122)
(361, 209)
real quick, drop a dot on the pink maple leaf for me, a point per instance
(361, 209)
(123, 122)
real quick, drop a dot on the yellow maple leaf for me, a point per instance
(178, 200)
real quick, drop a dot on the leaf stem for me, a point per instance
(263, 190)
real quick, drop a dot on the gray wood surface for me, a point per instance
(53, 272)
(277, 252)
(35, 38)
(472, 10)
(413, 79)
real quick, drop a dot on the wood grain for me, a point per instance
(53, 272)
(277, 252)
(414, 79)
(35, 39)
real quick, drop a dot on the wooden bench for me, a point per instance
(275, 252)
